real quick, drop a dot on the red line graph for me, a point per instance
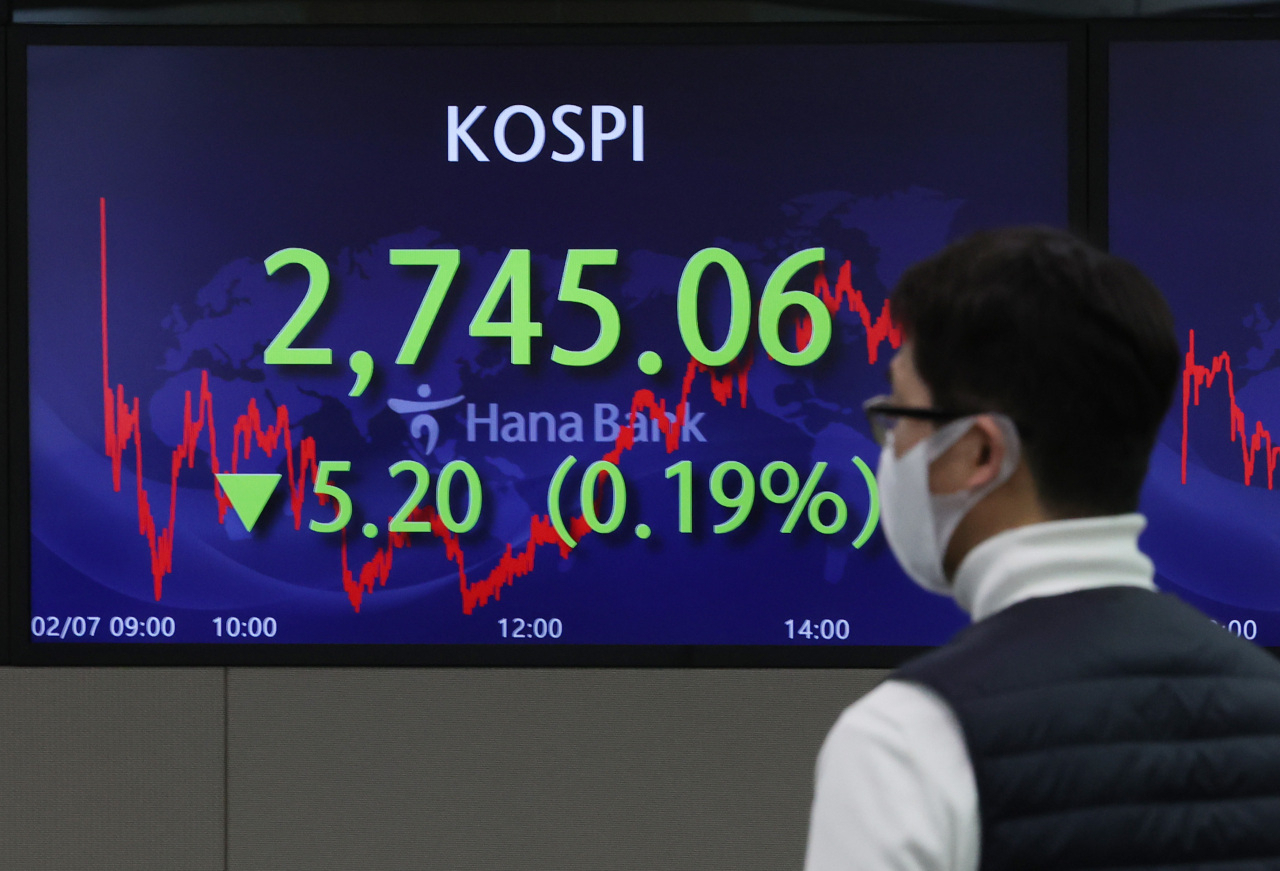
(1195, 376)
(122, 422)
(879, 329)
(512, 564)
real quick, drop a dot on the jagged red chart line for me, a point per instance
(879, 329)
(1195, 376)
(122, 423)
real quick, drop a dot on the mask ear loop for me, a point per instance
(942, 440)
(1012, 446)
(948, 509)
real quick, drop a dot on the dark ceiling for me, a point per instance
(612, 11)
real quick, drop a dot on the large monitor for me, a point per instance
(489, 346)
(1194, 200)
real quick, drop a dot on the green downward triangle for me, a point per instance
(248, 494)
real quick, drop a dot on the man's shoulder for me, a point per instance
(893, 784)
(894, 710)
(1089, 634)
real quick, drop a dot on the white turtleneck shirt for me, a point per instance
(894, 787)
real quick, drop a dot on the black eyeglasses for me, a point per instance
(883, 416)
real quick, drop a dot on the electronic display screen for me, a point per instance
(522, 345)
(1195, 202)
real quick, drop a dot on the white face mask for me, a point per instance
(919, 524)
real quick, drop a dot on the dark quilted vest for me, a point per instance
(1115, 728)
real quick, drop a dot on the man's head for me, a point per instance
(1075, 346)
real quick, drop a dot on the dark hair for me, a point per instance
(1073, 344)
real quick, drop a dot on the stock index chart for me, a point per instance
(476, 344)
(1194, 199)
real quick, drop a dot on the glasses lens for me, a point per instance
(881, 423)
(881, 427)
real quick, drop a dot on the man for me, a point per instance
(1084, 720)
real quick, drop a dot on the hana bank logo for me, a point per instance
(606, 124)
(602, 424)
(422, 419)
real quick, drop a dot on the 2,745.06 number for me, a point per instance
(512, 286)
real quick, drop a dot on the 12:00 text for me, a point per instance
(518, 627)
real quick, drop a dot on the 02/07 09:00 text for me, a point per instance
(87, 627)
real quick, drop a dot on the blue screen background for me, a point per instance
(209, 159)
(1194, 200)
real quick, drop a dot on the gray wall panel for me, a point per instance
(529, 769)
(384, 769)
(108, 769)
